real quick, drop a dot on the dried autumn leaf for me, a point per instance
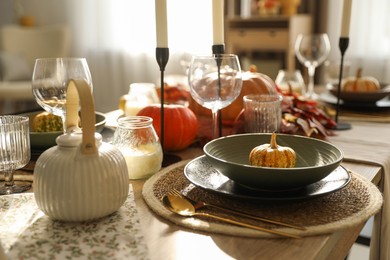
(306, 115)
(305, 126)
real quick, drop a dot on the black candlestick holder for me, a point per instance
(219, 49)
(162, 57)
(343, 46)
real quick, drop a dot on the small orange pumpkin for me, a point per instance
(180, 128)
(272, 155)
(361, 84)
(252, 83)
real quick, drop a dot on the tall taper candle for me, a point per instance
(161, 23)
(346, 18)
(218, 27)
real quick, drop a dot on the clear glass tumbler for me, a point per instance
(136, 138)
(14, 151)
(263, 113)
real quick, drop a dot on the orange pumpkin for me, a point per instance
(180, 128)
(252, 83)
(360, 84)
(272, 155)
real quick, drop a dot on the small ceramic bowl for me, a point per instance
(315, 160)
(44, 140)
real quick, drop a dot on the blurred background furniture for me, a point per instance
(267, 41)
(19, 47)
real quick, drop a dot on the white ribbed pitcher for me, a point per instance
(82, 178)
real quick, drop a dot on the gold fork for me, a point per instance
(183, 207)
(202, 204)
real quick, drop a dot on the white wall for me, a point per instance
(44, 11)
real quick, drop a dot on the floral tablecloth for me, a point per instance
(26, 233)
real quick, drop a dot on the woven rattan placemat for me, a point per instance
(347, 207)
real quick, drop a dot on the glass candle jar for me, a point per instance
(136, 139)
(140, 95)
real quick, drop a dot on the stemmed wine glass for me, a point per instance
(185, 61)
(50, 79)
(312, 51)
(14, 151)
(215, 82)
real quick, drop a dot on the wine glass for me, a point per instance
(215, 82)
(185, 61)
(50, 79)
(14, 151)
(312, 51)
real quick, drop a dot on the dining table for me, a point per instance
(336, 245)
(366, 154)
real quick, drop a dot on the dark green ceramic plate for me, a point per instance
(315, 160)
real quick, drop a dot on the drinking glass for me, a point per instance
(50, 80)
(286, 79)
(263, 113)
(14, 151)
(185, 61)
(215, 82)
(312, 50)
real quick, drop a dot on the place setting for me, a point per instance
(360, 97)
(357, 92)
(334, 199)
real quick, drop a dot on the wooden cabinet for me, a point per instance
(268, 34)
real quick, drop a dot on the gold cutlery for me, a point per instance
(184, 208)
(202, 204)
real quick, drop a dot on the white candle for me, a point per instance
(346, 18)
(144, 162)
(218, 28)
(161, 23)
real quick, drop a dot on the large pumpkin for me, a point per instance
(252, 83)
(180, 128)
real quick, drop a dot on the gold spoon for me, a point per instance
(184, 208)
(201, 204)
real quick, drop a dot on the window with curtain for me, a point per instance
(118, 39)
(369, 45)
